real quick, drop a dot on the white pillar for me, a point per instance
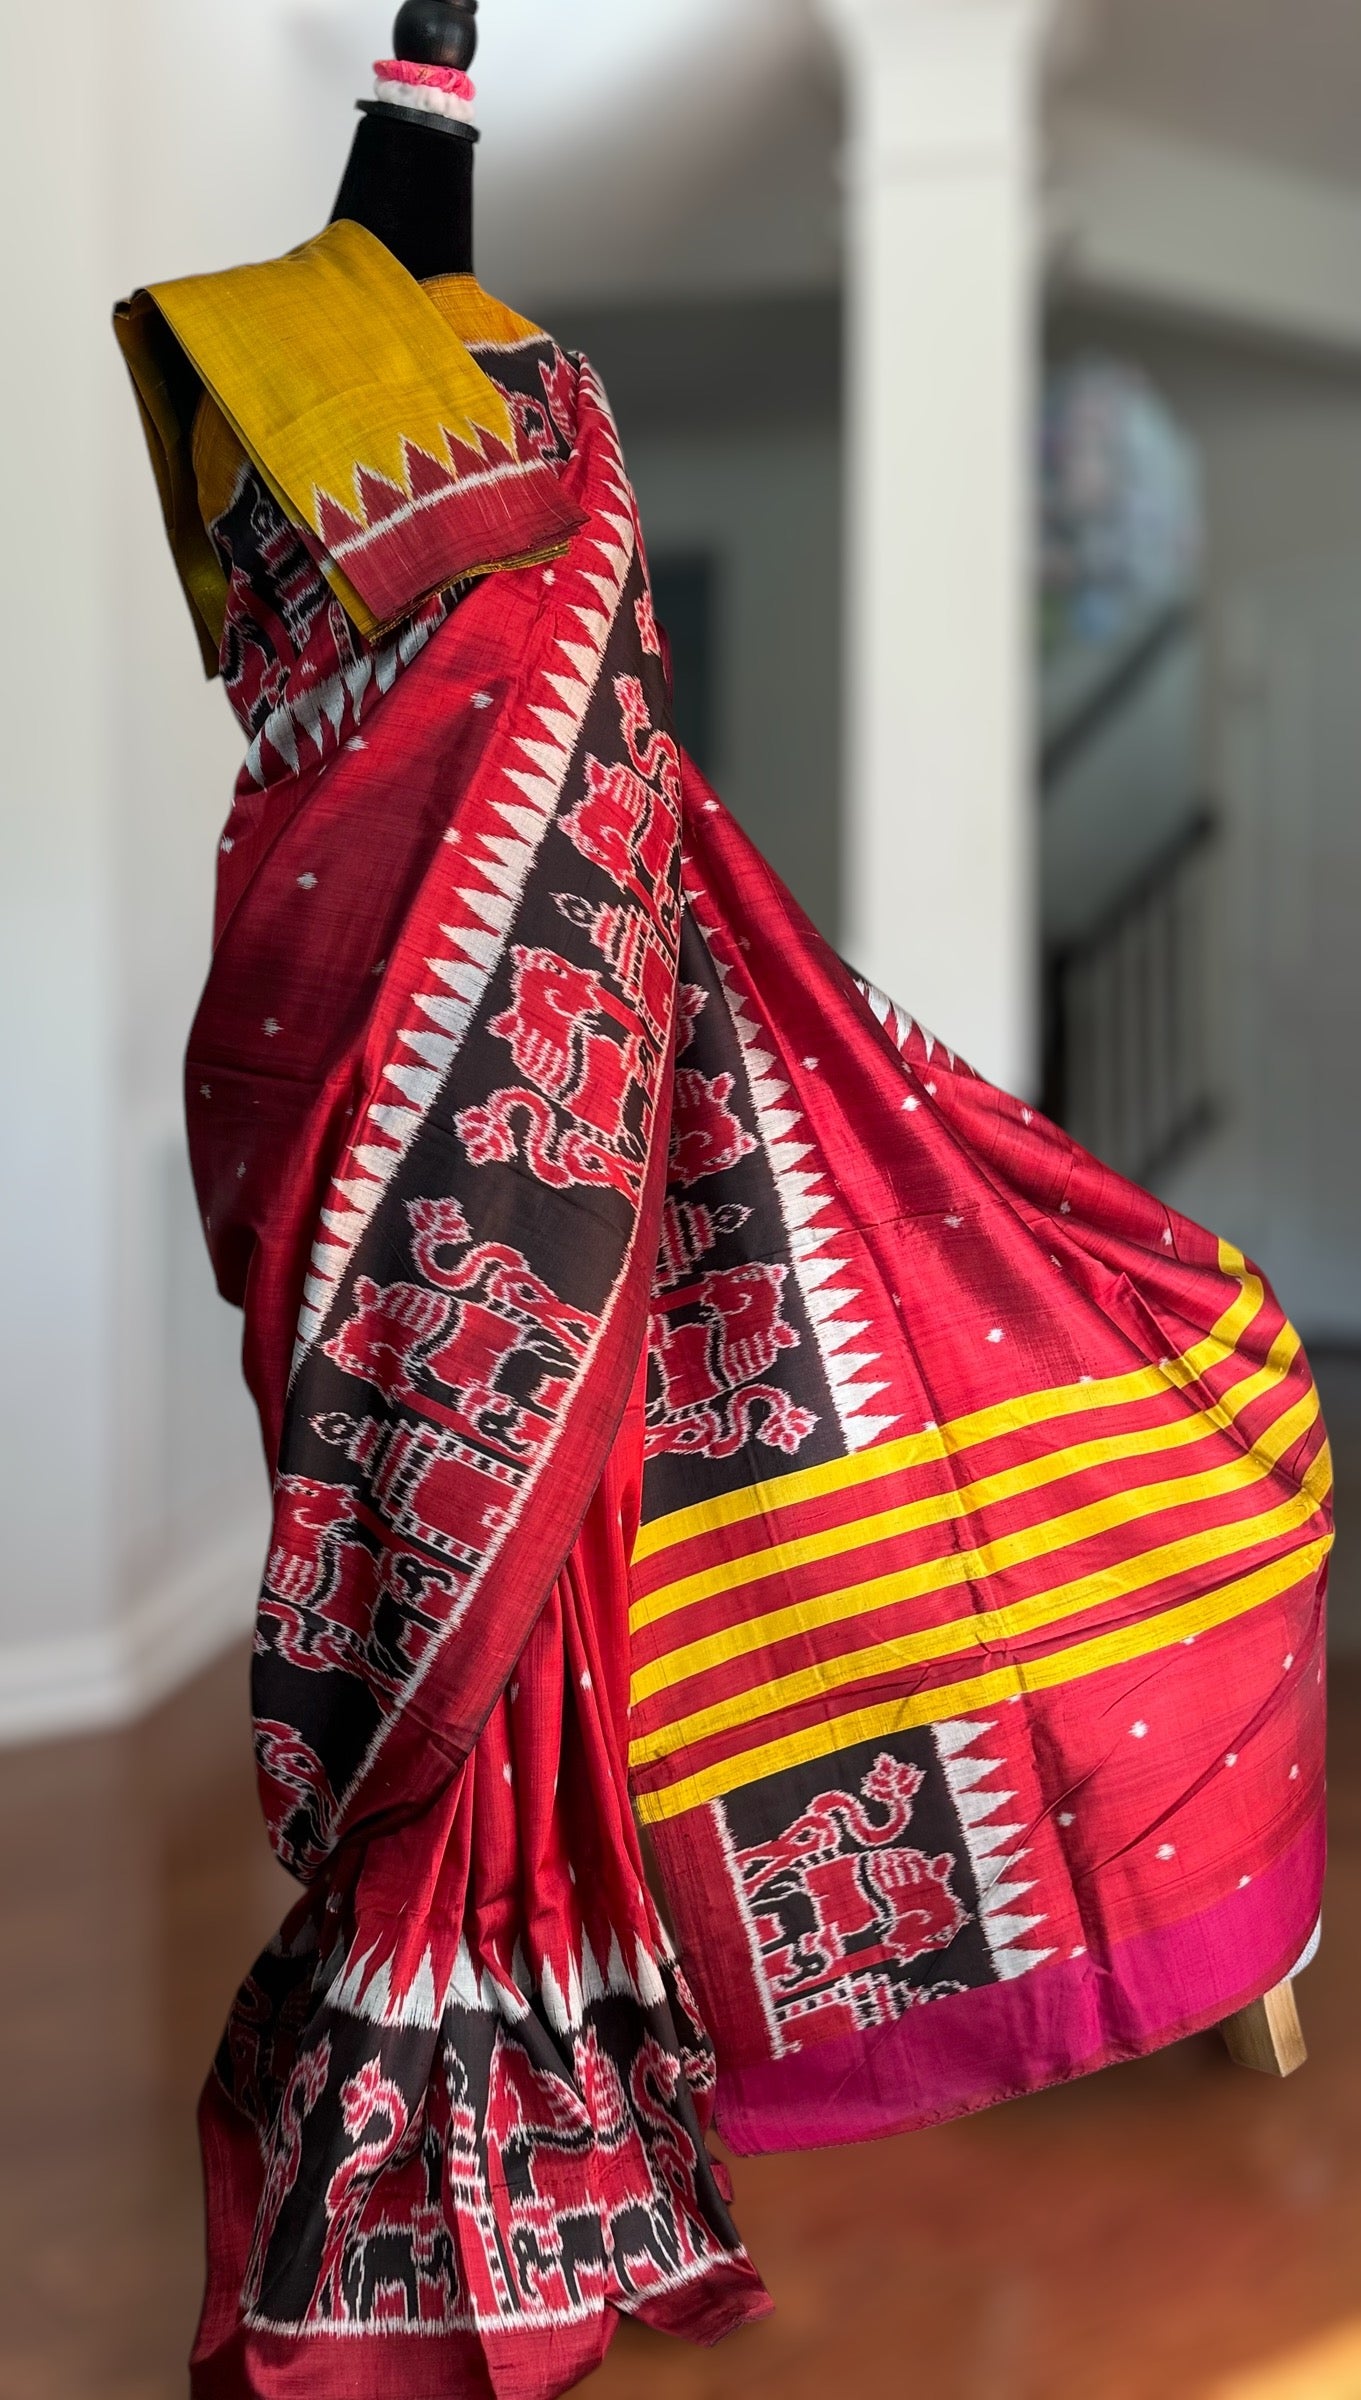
(942, 255)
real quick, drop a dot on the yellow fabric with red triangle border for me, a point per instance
(345, 381)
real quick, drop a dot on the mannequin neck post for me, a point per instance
(409, 182)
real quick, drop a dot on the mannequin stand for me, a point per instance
(1267, 2036)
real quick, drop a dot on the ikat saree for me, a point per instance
(692, 1397)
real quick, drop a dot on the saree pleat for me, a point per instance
(488, 1982)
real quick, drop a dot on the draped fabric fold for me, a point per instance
(691, 1395)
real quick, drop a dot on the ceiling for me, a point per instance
(669, 147)
(1278, 79)
(680, 148)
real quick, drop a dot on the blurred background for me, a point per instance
(991, 377)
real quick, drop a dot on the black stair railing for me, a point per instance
(1127, 1054)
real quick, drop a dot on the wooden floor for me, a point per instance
(1178, 2230)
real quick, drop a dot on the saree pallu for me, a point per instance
(693, 1396)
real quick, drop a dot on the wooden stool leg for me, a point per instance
(1267, 2035)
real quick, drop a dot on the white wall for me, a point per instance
(1282, 443)
(55, 937)
(132, 1492)
(1220, 236)
(767, 509)
(1280, 438)
(1289, 740)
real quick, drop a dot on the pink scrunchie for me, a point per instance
(443, 79)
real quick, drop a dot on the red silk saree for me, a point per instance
(695, 1401)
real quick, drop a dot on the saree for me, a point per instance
(796, 1595)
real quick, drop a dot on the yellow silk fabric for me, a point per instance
(316, 366)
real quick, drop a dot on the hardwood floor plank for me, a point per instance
(1161, 2232)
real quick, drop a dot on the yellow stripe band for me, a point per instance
(966, 1433)
(1012, 1550)
(964, 1500)
(948, 1701)
(1124, 1582)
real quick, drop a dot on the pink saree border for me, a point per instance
(1066, 2019)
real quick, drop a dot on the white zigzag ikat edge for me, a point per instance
(804, 1196)
(484, 900)
(363, 1989)
(990, 1853)
(342, 698)
(898, 1025)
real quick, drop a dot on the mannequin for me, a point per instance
(409, 179)
(550, 1363)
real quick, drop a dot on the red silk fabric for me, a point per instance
(688, 1389)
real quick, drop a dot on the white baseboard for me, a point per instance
(184, 1620)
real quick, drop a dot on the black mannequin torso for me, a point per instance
(410, 176)
(410, 181)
